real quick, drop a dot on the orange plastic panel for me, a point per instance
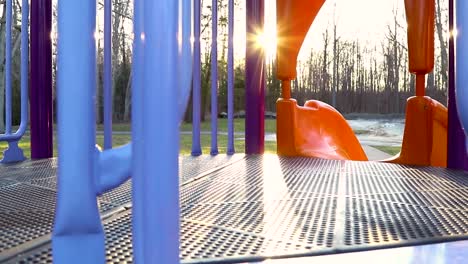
(294, 18)
(315, 130)
(420, 16)
(425, 136)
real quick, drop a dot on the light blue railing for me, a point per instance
(162, 68)
(13, 153)
(161, 77)
(196, 92)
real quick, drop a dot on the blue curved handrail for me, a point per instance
(13, 153)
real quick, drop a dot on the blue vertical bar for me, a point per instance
(24, 65)
(156, 194)
(461, 63)
(8, 68)
(138, 183)
(214, 78)
(196, 94)
(185, 56)
(230, 147)
(78, 235)
(107, 74)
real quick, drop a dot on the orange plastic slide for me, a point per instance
(315, 130)
(319, 130)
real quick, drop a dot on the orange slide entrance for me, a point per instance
(318, 130)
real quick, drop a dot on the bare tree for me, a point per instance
(325, 62)
(336, 59)
(2, 67)
(441, 26)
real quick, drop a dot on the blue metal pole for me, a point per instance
(138, 183)
(214, 78)
(8, 68)
(107, 74)
(196, 94)
(24, 66)
(461, 63)
(230, 146)
(185, 56)
(155, 170)
(78, 235)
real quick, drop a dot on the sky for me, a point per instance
(365, 20)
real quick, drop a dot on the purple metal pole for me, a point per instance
(456, 151)
(41, 80)
(230, 146)
(107, 74)
(196, 92)
(214, 78)
(254, 80)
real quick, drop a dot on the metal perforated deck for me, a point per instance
(265, 206)
(27, 198)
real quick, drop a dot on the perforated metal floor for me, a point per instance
(265, 206)
(28, 191)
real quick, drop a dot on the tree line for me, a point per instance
(357, 78)
(352, 76)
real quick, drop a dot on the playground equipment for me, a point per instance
(13, 153)
(318, 130)
(244, 210)
(153, 195)
(426, 119)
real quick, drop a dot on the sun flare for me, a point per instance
(267, 40)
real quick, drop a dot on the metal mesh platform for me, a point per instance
(28, 191)
(265, 206)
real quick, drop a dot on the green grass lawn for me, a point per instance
(239, 125)
(388, 149)
(361, 132)
(185, 144)
(239, 145)
(186, 139)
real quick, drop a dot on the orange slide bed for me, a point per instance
(318, 130)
